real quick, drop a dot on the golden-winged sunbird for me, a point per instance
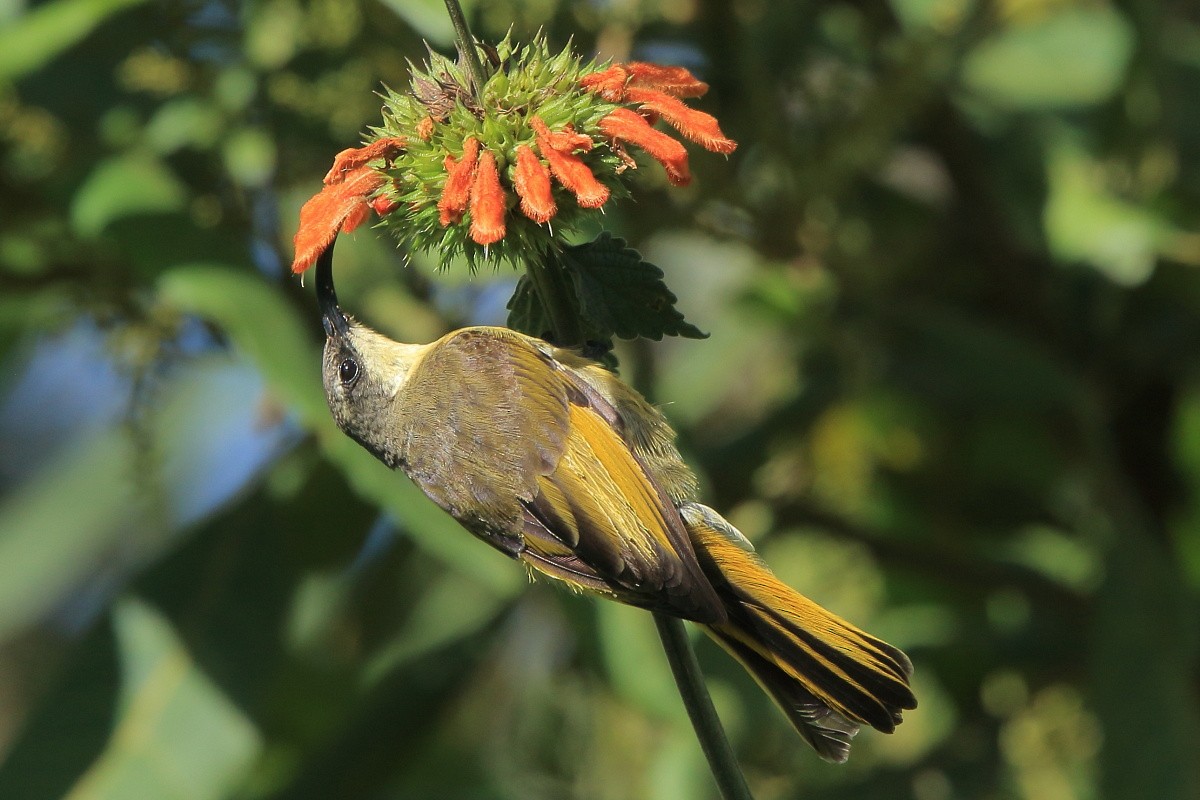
(556, 462)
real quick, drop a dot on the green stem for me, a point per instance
(466, 46)
(699, 705)
(549, 281)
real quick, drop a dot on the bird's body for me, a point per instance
(556, 462)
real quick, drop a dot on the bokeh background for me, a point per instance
(952, 277)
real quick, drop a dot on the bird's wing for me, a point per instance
(502, 438)
(485, 417)
(606, 516)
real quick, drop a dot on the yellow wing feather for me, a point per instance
(621, 526)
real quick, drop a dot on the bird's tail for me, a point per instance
(827, 675)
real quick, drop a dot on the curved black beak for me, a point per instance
(332, 318)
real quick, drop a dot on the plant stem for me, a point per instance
(466, 46)
(699, 705)
(550, 284)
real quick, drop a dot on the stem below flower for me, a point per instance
(699, 705)
(466, 47)
(549, 281)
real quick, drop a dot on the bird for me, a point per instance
(556, 462)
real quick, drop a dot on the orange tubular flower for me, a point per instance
(675, 81)
(341, 206)
(356, 157)
(532, 181)
(487, 202)
(460, 174)
(695, 125)
(608, 83)
(570, 170)
(623, 125)
(567, 140)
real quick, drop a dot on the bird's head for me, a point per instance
(363, 372)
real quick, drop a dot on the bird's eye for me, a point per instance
(348, 371)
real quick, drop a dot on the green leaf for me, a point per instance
(526, 312)
(621, 294)
(178, 735)
(184, 122)
(37, 37)
(1071, 59)
(1086, 221)
(56, 525)
(122, 187)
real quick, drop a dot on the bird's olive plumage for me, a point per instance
(556, 462)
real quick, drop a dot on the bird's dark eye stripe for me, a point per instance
(348, 370)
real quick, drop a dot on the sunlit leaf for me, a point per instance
(45, 31)
(177, 735)
(184, 122)
(622, 294)
(1072, 58)
(124, 186)
(1086, 222)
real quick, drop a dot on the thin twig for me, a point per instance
(699, 705)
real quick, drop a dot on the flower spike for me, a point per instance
(546, 140)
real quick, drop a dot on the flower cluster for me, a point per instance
(456, 168)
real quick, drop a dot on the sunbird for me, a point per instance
(554, 461)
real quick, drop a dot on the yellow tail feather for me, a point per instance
(828, 676)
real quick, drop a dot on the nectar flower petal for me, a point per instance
(487, 202)
(425, 129)
(531, 179)
(675, 81)
(570, 170)
(564, 141)
(337, 207)
(609, 83)
(624, 125)
(567, 140)
(355, 157)
(694, 125)
(460, 174)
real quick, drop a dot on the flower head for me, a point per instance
(543, 141)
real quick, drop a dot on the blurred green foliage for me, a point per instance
(952, 277)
